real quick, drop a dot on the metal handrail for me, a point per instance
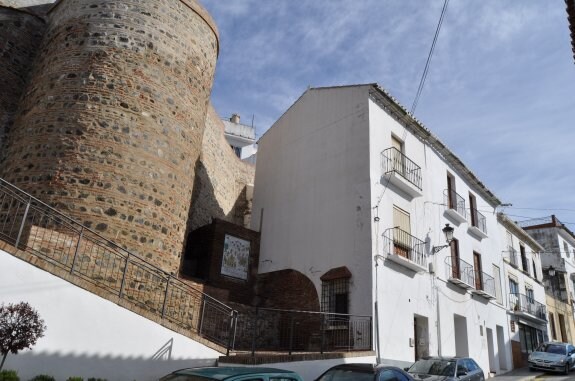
(29, 224)
(478, 220)
(401, 243)
(523, 303)
(453, 200)
(393, 160)
(461, 270)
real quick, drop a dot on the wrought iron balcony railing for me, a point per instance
(403, 244)
(393, 160)
(484, 284)
(511, 256)
(478, 220)
(459, 272)
(526, 304)
(454, 201)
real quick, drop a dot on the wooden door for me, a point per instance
(478, 271)
(452, 203)
(455, 265)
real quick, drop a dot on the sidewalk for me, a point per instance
(521, 374)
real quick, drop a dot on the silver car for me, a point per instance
(446, 369)
(558, 357)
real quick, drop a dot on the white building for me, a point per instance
(523, 292)
(346, 178)
(241, 138)
(558, 261)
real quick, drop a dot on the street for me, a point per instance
(523, 374)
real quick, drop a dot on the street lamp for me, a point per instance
(551, 271)
(448, 231)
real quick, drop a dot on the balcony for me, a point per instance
(526, 307)
(459, 273)
(511, 257)
(484, 285)
(454, 206)
(477, 224)
(405, 249)
(400, 171)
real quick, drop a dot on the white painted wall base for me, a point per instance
(89, 336)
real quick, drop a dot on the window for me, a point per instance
(562, 327)
(451, 193)
(534, 268)
(530, 295)
(529, 337)
(524, 263)
(470, 365)
(401, 235)
(398, 160)
(473, 209)
(497, 279)
(566, 249)
(513, 294)
(552, 322)
(335, 296)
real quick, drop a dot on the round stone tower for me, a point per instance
(20, 36)
(111, 124)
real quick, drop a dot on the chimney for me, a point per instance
(235, 119)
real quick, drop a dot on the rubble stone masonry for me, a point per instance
(20, 36)
(111, 124)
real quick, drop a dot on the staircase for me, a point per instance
(46, 238)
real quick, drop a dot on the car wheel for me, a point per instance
(531, 369)
(566, 371)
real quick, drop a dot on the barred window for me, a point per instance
(335, 296)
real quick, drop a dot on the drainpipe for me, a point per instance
(438, 322)
(376, 320)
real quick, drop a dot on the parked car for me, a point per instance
(230, 373)
(558, 357)
(364, 372)
(446, 369)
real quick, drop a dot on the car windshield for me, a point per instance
(346, 375)
(552, 348)
(434, 367)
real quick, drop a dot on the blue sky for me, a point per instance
(500, 90)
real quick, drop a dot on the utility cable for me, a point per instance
(425, 71)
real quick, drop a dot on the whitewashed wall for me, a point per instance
(312, 181)
(88, 336)
(403, 293)
(319, 208)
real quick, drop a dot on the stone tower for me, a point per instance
(20, 35)
(110, 126)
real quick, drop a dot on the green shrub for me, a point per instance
(9, 375)
(97, 379)
(75, 379)
(43, 377)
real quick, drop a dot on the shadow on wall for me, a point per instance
(62, 366)
(204, 206)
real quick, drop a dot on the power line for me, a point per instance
(424, 75)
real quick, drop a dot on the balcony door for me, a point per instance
(402, 232)
(398, 155)
(452, 199)
(455, 265)
(478, 271)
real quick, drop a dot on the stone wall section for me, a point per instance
(223, 182)
(111, 125)
(20, 36)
